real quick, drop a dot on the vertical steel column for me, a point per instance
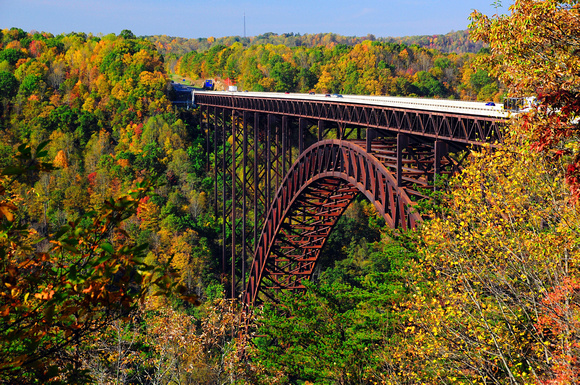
(301, 124)
(321, 124)
(269, 162)
(207, 145)
(234, 182)
(244, 195)
(284, 144)
(257, 162)
(370, 136)
(224, 193)
(278, 165)
(288, 145)
(204, 121)
(441, 149)
(215, 163)
(402, 143)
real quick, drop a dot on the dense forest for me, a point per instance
(453, 42)
(109, 251)
(366, 68)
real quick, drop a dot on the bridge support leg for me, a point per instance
(215, 163)
(234, 183)
(269, 162)
(224, 193)
(441, 149)
(301, 128)
(402, 143)
(321, 128)
(207, 141)
(371, 135)
(284, 145)
(244, 196)
(257, 161)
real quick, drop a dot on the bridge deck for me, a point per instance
(480, 109)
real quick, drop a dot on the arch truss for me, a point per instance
(317, 189)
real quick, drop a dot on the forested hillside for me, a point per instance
(453, 42)
(99, 109)
(365, 68)
(110, 253)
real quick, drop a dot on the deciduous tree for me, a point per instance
(50, 301)
(534, 51)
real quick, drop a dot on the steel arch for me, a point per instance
(315, 192)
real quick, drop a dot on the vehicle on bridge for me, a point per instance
(208, 85)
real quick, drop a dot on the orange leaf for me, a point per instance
(6, 209)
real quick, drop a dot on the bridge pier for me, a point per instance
(402, 143)
(441, 149)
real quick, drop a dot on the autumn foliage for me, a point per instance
(106, 231)
(534, 52)
(498, 299)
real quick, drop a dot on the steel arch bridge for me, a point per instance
(285, 169)
(321, 184)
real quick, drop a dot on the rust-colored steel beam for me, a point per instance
(315, 192)
(436, 125)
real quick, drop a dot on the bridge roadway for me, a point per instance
(434, 105)
(451, 120)
(290, 164)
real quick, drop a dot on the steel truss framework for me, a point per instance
(427, 124)
(279, 201)
(322, 183)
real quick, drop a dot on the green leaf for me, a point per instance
(38, 241)
(70, 248)
(41, 154)
(61, 232)
(72, 273)
(13, 171)
(41, 146)
(108, 248)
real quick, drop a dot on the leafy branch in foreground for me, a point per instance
(90, 275)
(534, 52)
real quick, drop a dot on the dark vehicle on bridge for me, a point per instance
(208, 85)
